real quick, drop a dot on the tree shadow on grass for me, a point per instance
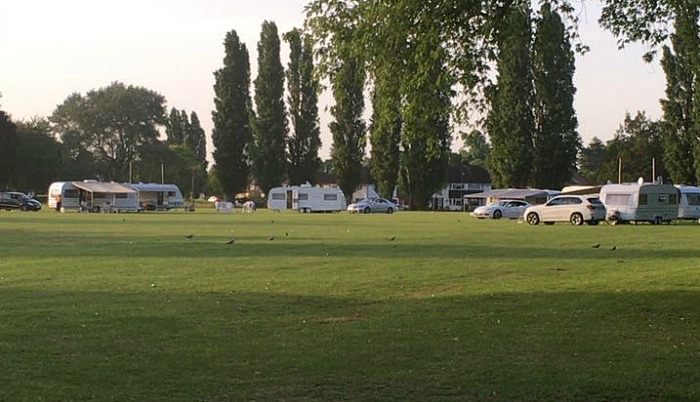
(216, 346)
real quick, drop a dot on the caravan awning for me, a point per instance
(109, 188)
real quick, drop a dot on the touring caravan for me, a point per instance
(158, 197)
(689, 204)
(306, 198)
(640, 202)
(93, 196)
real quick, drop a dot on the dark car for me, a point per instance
(10, 200)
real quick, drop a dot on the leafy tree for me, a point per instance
(112, 123)
(305, 138)
(591, 160)
(38, 155)
(426, 130)
(348, 128)
(232, 133)
(385, 133)
(510, 122)
(196, 143)
(8, 149)
(476, 148)
(681, 129)
(555, 141)
(270, 128)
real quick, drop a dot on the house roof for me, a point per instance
(99, 187)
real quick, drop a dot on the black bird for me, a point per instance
(286, 234)
(392, 238)
(271, 238)
(458, 221)
(231, 241)
(614, 248)
(272, 221)
(189, 236)
(595, 245)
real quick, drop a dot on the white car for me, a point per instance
(371, 205)
(511, 209)
(576, 209)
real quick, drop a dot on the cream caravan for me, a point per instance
(306, 199)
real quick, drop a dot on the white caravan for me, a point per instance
(93, 196)
(689, 204)
(306, 199)
(158, 197)
(640, 202)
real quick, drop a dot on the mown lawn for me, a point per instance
(123, 307)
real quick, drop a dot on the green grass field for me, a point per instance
(122, 307)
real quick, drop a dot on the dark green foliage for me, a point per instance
(637, 144)
(232, 133)
(555, 141)
(348, 128)
(304, 139)
(38, 156)
(426, 135)
(681, 128)
(476, 148)
(270, 127)
(591, 160)
(385, 133)
(510, 122)
(174, 129)
(112, 123)
(8, 149)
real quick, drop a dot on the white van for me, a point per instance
(640, 202)
(689, 204)
(306, 198)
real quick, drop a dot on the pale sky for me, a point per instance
(50, 49)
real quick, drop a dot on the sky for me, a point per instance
(50, 49)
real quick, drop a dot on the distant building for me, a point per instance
(462, 180)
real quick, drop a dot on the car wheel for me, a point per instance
(533, 219)
(497, 214)
(576, 219)
(367, 210)
(23, 208)
(390, 210)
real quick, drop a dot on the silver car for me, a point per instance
(576, 209)
(511, 209)
(371, 205)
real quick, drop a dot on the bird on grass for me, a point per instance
(613, 248)
(392, 238)
(189, 236)
(231, 241)
(595, 245)
(286, 234)
(271, 238)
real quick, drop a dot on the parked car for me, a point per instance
(10, 200)
(372, 205)
(576, 209)
(511, 209)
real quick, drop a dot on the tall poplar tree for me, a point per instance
(304, 139)
(232, 133)
(270, 125)
(510, 121)
(681, 128)
(348, 128)
(556, 141)
(173, 128)
(385, 133)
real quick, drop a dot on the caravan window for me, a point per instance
(303, 196)
(121, 195)
(618, 199)
(643, 199)
(662, 199)
(672, 199)
(693, 199)
(330, 197)
(171, 194)
(71, 193)
(279, 196)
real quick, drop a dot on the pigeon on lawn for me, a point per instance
(614, 248)
(230, 241)
(392, 238)
(595, 245)
(271, 238)
(189, 236)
